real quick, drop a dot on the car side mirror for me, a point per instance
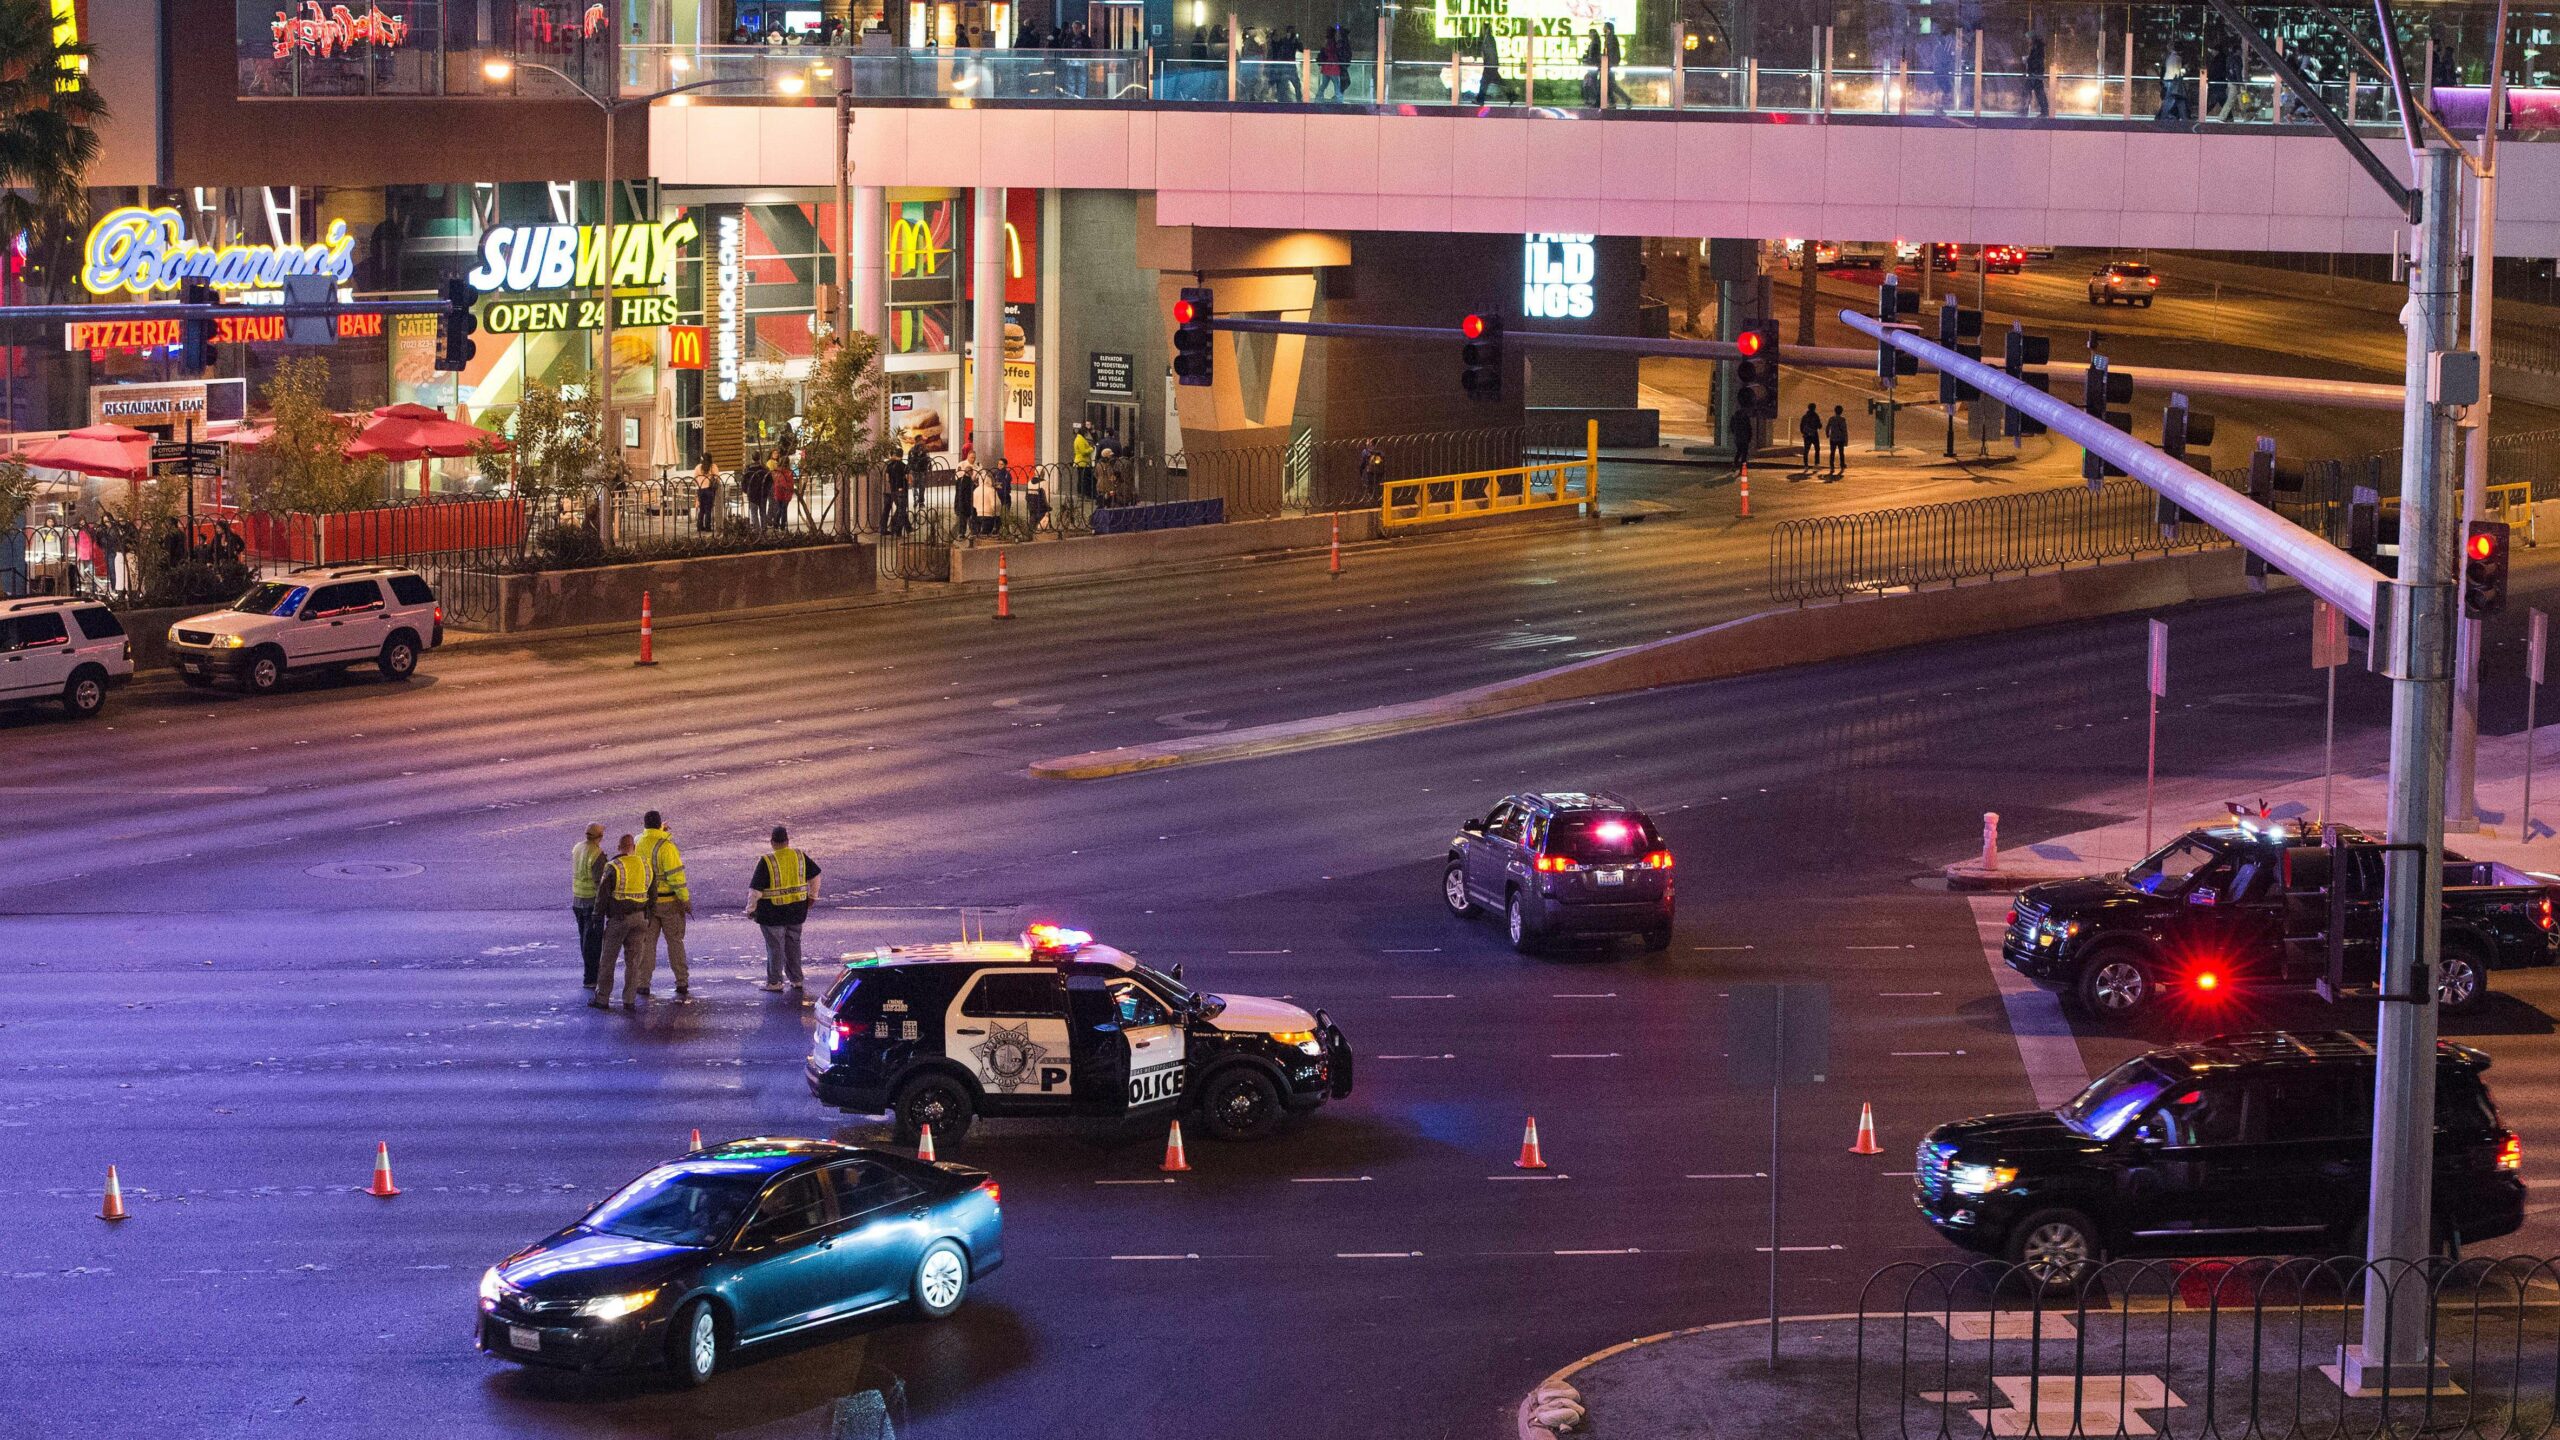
(308, 615)
(1177, 969)
(1473, 827)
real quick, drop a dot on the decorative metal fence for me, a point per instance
(2208, 1349)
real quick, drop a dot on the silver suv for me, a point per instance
(55, 647)
(327, 618)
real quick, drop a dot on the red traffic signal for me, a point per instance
(1184, 312)
(2483, 545)
(1750, 342)
(1472, 327)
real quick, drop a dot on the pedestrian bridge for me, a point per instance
(1817, 151)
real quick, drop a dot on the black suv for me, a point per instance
(2242, 1144)
(1558, 862)
(1054, 1024)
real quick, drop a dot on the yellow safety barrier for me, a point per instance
(2511, 502)
(1472, 493)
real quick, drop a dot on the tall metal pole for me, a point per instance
(844, 207)
(2461, 770)
(604, 399)
(2418, 614)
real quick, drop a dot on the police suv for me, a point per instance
(1054, 1024)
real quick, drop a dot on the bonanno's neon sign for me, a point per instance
(142, 251)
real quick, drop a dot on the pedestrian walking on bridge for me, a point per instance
(586, 859)
(1836, 430)
(629, 936)
(785, 885)
(1809, 426)
(670, 906)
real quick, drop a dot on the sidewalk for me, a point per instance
(1951, 1367)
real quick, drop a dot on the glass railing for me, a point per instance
(295, 49)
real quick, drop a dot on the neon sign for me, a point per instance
(139, 250)
(336, 29)
(1555, 277)
(733, 341)
(560, 257)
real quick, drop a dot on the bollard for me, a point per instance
(1990, 839)
(1742, 484)
(1004, 590)
(1336, 563)
(645, 657)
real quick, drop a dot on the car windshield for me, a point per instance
(695, 1204)
(1180, 996)
(1599, 837)
(2134, 272)
(273, 597)
(2167, 870)
(2113, 1100)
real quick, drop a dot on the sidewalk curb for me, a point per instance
(1969, 875)
(1523, 1430)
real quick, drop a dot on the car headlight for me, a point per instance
(491, 1287)
(1980, 1179)
(1303, 1039)
(614, 1307)
(229, 642)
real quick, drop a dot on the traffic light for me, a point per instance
(2020, 353)
(1959, 330)
(2484, 569)
(2100, 390)
(2262, 489)
(454, 326)
(1193, 313)
(196, 350)
(1755, 375)
(1482, 377)
(2181, 427)
(1893, 308)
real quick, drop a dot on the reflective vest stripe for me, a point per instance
(786, 872)
(631, 879)
(582, 871)
(667, 864)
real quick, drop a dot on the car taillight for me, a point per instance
(2151, 280)
(2511, 1153)
(995, 1192)
(2542, 911)
(439, 612)
(1658, 860)
(1550, 864)
(844, 1031)
(2207, 980)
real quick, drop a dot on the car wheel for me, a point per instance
(2116, 985)
(1240, 1104)
(2146, 302)
(2462, 982)
(1658, 939)
(942, 1279)
(85, 696)
(1453, 890)
(935, 1100)
(2054, 1249)
(1524, 931)
(399, 658)
(265, 673)
(693, 1344)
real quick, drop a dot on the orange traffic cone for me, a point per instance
(382, 1185)
(114, 1208)
(924, 1151)
(1336, 562)
(697, 1137)
(1175, 1162)
(1531, 1158)
(1866, 1133)
(1004, 590)
(646, 657)
(1742, 487)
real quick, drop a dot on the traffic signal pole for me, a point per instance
(2462, 801)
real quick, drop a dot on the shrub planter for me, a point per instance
(700, 585)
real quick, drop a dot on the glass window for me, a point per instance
(1600, 836)
(679, 1205)
(412, 590)
(32, 631)
(2206, 1115)
(2115, 1098)
(346, 597)
(2462, 1103)
(2168, 869)
(274, 597)
(1018, 992)
(2302, 1107)
(792, 1208)
(2310, 867)
(864, 1185)
(99, 623)
(1137, 1007)
(1508, 822)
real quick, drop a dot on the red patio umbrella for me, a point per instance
(116, 452)
(416, 432)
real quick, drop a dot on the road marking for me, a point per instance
(1155, 1257)
(1763, 1249)
(1586, 995)
(1603, 1055)
(1900, 1174)
(1706, 948)
(1882, 947)
(1434, 950)
(1377, 1254)
(1528, 1177)
(1923, 1054)
(1413, 1057)
(2046, 1046)
(1630, 1250)
(1422, 997)
(1166, 1180)
(1326, 1179)
(1257, 952)
(1736, 1175)
(1908, 994)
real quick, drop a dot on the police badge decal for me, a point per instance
(1008, 1058)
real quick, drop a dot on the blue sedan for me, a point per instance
(741, 1243)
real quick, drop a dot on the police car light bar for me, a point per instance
(1057, 941)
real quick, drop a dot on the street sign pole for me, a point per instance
(2328, 652)
(1776, 1035)
(2532, 691)
(2159, 686)
(1777, 1088)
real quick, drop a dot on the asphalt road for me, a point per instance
(199, 998)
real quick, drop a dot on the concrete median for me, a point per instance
(1771, 640)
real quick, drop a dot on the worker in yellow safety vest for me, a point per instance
(785, 883)
(585, 859)
(622, 890)
(670, 905)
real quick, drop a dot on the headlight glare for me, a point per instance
(491, 1287)
(614, 1307)
(1981, 1179)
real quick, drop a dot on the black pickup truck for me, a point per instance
(2249, 906)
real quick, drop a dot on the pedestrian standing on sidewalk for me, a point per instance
(785, 885)
(623, 893)
(585, 859)
(785, 485)
(706, 492)
(893, 515)
(984, 502)
(1810, 428)
(1037, 499)
(1084, 461)
(1837, 432)
(756, 483)
(670, 906)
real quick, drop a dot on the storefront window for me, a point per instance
(290, 48)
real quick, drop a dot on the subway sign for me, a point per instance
(519, 258)
(575, 312)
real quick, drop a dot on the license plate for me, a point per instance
(1610, 877)
(524, 1339)
(192, 668)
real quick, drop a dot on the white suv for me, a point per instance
(327, 618)
(54, 647)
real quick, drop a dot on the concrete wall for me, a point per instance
(708, 584)
(1111, 306)
(1373, 387)
(1123, 554)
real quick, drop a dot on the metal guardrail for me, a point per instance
(2204, 1350)
(1502, 490)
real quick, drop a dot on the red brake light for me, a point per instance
(2207, 980)
(2542, 911)
(1184, 312)
(1550, 864)
(439, 612)
(1658, 860)
(995, 1192)
(844, 1031)
(2511, 1153)
(2151, 280)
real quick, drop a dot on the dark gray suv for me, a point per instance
(1562, 862)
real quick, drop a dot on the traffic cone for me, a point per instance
(697, 1137)
(645, 657)
(382, 1185)
(1531, 1158)
(1175, 1162)
(1866, 1132)
(1742, 483)
(114, 1208)
(1336, 564)
(924, 1150)
(1004, 590)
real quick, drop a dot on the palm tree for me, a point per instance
(48, 131)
